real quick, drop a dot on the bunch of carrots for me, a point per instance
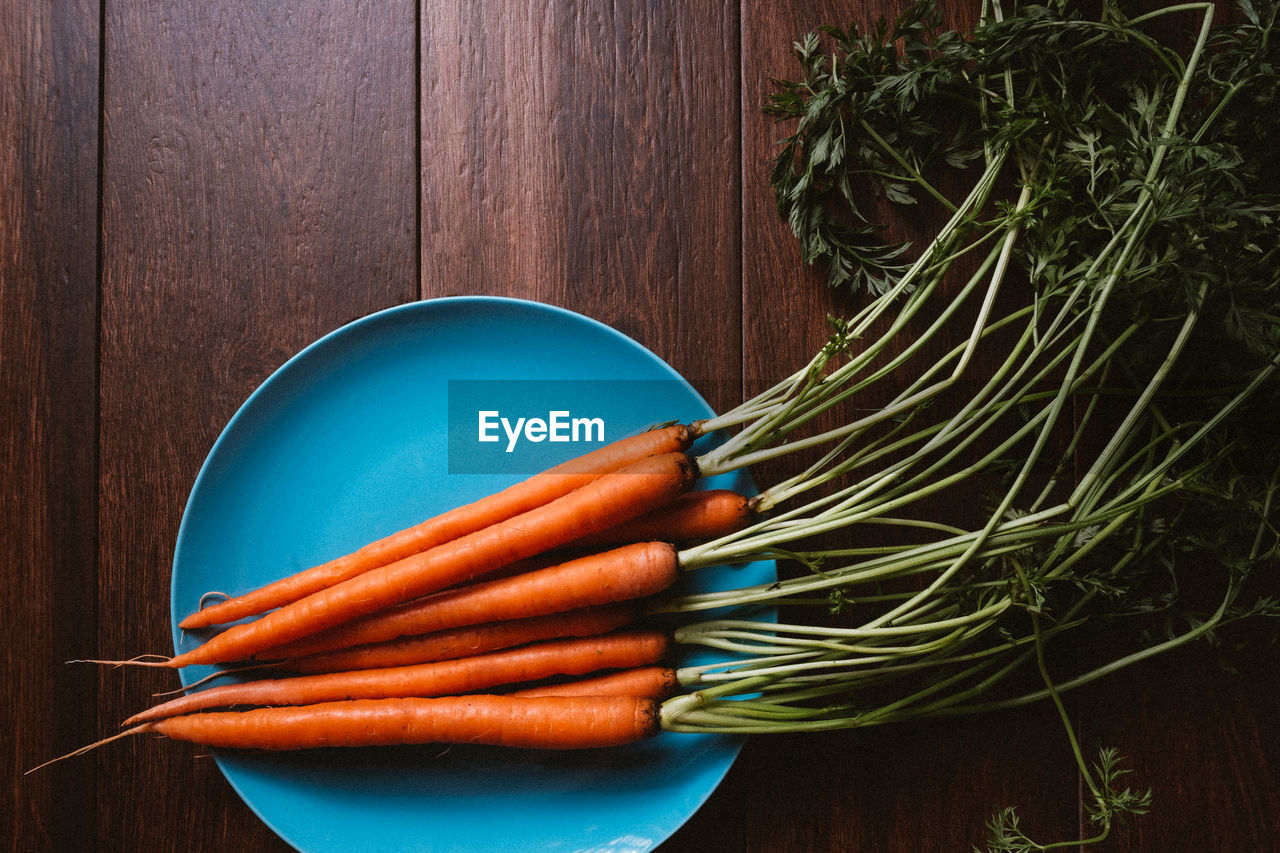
(424, 636)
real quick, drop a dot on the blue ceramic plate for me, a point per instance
(350, 440)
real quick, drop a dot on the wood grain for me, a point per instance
(258, 180)
(585, 155)
(49, 62)
(1197, 728)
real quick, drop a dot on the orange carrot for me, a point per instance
(466, 641)
(654, 682)
(576, 656)
(602, 503)
(536, 491)
(562, 722)
(623, 574)
(693, 516)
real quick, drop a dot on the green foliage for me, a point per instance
(882, 113)
(1110, 233)
(868, 125)
(1109, 803)
(1146, 182)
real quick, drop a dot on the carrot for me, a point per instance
(654, 682)
(466, 641)
(693, 516)
(576, 656)
(440, 645)
(605, 502)
(561, 722)
(548, 722)
(623, 574)
(536, 491)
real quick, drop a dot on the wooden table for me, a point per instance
(192, 192)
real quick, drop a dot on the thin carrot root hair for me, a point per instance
(90, 747)
(214, 676)
(140, 660)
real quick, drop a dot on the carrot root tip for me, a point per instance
(140, 660)
(88, 747)
(212, 676)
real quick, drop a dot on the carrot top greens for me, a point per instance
(1112, 250)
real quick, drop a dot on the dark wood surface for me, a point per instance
(192, 192)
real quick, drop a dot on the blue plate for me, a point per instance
(349, 441)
